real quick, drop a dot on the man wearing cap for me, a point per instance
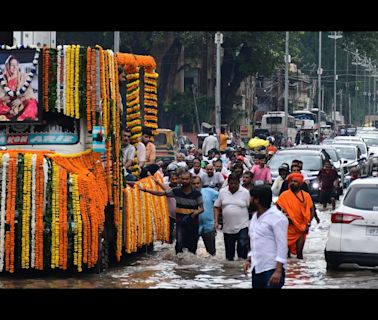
(296, 204)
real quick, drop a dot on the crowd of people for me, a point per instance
(223, 187)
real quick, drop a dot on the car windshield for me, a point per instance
(363, 197)
(371, 141)
(347, 152)
(160, 139)
(333, 154)
(310, 162)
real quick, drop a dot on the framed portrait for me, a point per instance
(20, 86)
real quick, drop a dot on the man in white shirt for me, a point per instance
(212, 179)
(268, 240)
(197, 170)
(210, 142)
(234, 202)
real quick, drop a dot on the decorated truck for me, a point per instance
(64, 202)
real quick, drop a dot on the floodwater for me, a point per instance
(164, 269)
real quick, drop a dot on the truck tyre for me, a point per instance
(332, 266)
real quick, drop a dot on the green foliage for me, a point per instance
(181, 109)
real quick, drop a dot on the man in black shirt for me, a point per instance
(189, 205)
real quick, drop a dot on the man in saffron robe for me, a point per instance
(296, 204)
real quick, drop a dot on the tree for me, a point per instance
(250, 53)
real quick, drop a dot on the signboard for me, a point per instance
(245, 131)
(38, 138)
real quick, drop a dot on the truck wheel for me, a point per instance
(332, 266)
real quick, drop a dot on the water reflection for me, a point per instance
(165, 269)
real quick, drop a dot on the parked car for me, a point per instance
(313, 161)
(351, 158)
(353, 234)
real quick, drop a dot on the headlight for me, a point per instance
(315, 185)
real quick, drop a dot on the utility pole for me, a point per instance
(218, 41)
(356, 88)
(320, 71)
(287, 61)
(341, 104)
(365, 93)
(335, 36)
(116, 41)
(347, 85)
(323, 97)
(369, 93)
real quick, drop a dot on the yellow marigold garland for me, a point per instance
(25, 242)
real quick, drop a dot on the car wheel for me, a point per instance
(332, 266)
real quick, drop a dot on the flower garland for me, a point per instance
(33, 208)
(150, 100)
(67, 80)
(63, 229)
(25, 86)
(59, 78)
(4, 161)
(65, 61)
(55, 217)
(10, 212)
(45, 78)
(89, 89)
(133, 113)
(78, 250)
(25, 241)
(40, 192)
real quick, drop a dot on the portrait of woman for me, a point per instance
(17, 99)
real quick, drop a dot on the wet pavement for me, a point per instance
(164, 269)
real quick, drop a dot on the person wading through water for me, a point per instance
(296, 204)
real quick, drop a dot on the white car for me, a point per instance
(353, 233)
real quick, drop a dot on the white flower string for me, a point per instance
(58, 75)
(64, 77)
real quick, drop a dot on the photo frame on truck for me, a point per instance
(20, 86)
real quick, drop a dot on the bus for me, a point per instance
(305, 119)
(323, 116)
(274, 122)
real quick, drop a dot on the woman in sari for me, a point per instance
(17, 100)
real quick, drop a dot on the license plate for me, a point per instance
(371, 231)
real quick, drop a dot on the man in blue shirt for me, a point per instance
(206, 219)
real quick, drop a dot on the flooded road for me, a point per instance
(163, 269)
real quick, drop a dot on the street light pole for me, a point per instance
(320, 71)
(218, 41)
(287, 61)
(335, 36)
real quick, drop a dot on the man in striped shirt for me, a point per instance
(189, 205)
